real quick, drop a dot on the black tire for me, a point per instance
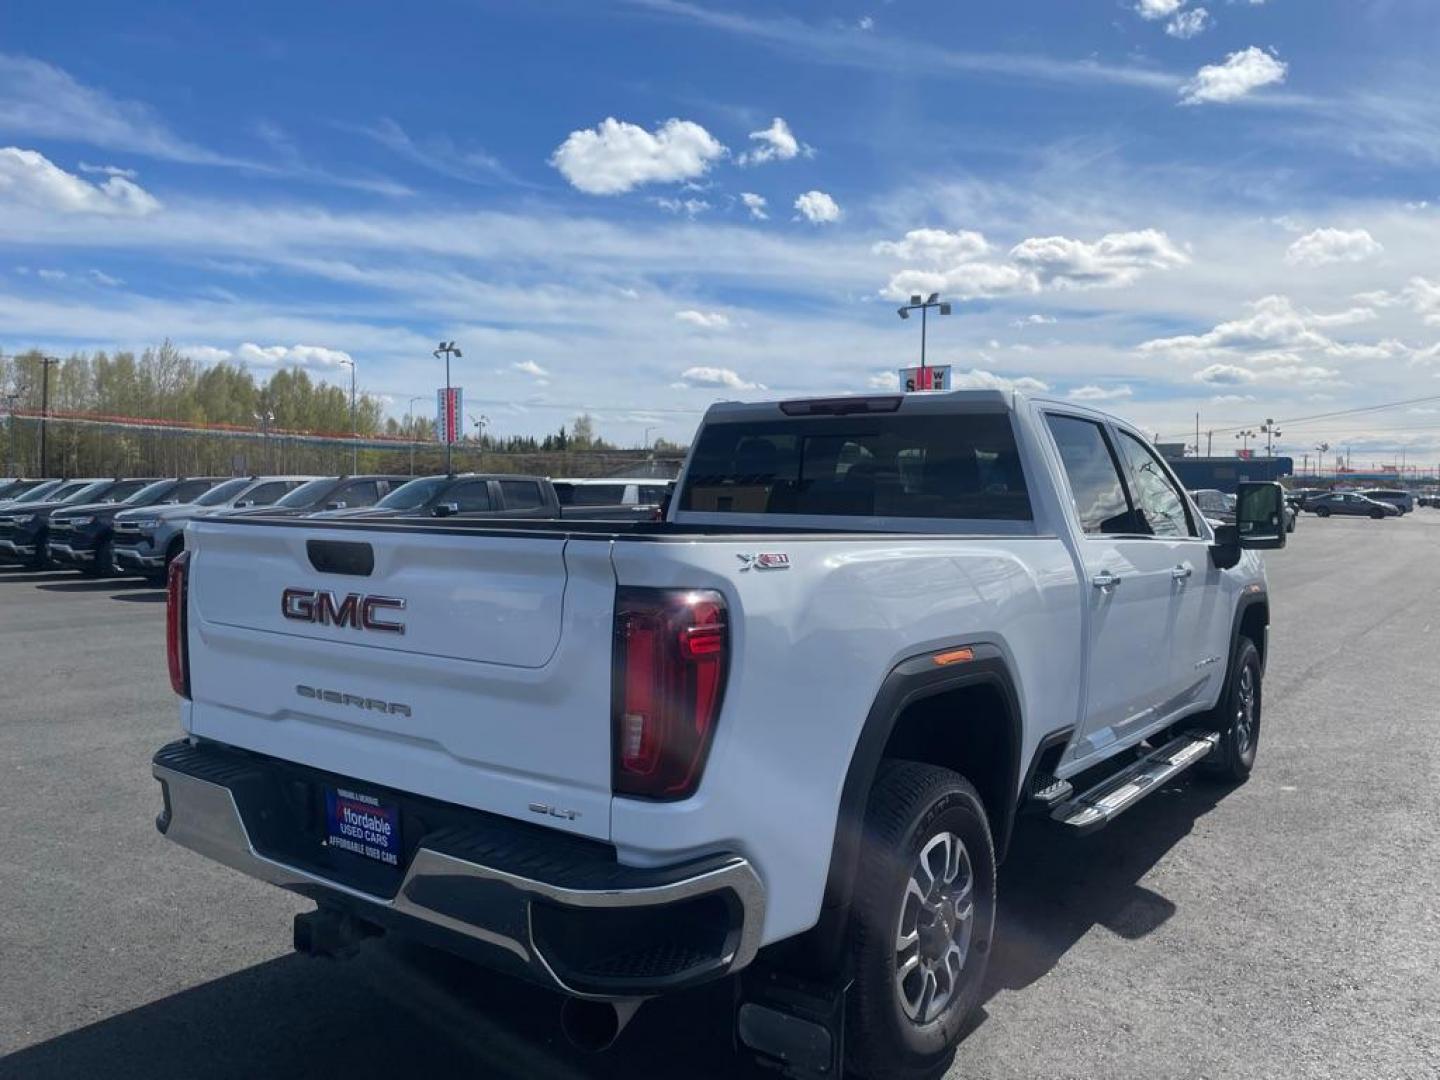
(913, 808)
(103, 565)
(1322, 511)
(1377, 514)
(1239, 718)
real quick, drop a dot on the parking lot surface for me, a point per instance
(1289, 927)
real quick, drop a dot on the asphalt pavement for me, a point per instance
(1287, 928)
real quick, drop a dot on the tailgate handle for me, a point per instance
(341, 557)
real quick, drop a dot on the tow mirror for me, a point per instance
(1259, 524)
(1260, 515)
(446, 509)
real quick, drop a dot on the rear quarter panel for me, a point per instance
(811, 646)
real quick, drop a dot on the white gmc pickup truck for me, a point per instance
(787, 730)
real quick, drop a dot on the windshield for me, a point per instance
(41, 493)
(91, 492)
(308, 493)
(222, 493)
(149, 493)
(415, 493)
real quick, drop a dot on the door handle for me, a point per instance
(1105, 580)
(1180, 573)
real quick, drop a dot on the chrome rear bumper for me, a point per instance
(526, 917)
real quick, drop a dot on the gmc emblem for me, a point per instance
(355, 611)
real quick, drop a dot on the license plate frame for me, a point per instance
(363, 825)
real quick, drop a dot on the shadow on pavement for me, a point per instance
(400, 1010)
(88, 584)
(143, 594)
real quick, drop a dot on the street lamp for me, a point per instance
(647, 436)
(48, 362)
(447, 349)
(1271, 434)
(354, 424)
(410, 428)
(1245, 437)
(265, 419)
(923, 306)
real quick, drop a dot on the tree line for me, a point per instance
(164, 385)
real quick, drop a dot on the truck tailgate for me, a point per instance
(492, 696)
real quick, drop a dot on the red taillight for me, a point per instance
(177, 651)
(671, 654)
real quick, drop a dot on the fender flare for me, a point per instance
(1248, 600)
(911, 680)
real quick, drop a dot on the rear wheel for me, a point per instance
(923, 918)
(1377, 514)
(1239, 716)
(1322, 511)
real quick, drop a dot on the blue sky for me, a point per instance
(635, 208)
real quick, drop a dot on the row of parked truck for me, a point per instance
(136, 526)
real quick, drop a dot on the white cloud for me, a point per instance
(31, 179)
(817, 207)
(1034, 320)
(41, 100)
(691, 208)
(1274, 323)
(287, 356)
(866, 23)
(966, 281)
(51, 275)
(935, 246)
(438, 153)
(1158, 9)
(977, 379)
(1331, 246)
(616, 157)
(109, 170)
(102, 278)
(777, 143)
(1242, 72)
(705, 320)
(884, 380)
(715, 377)
(1115, 259)
(530, 367)
(1099, 393)
(755, 204)
(1187, 24)
(1058, 262)
(1225, 375)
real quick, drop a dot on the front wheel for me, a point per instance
(923, 919)
(1377, 514)
(1239, 715)
(1322, 511)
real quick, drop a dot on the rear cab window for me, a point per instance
(948, 467)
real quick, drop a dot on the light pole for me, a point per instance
(447, 349)
(47, 362)
(1321, 449)
(354, 433)
(1245, 437)
(923, 306)
(265, 419)
(410, 428)
(647, 440)
(1271, 434)
(10, 400)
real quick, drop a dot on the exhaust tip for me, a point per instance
(593, 1026)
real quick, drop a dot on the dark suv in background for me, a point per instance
(25, 527)
(329, 493)
(83, 537)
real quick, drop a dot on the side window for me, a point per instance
(360, 493)
(471, 495)
(189, 491)
(265, 494)
(1156, 497)
(521, 494)
(653, 493)
(1094, 475)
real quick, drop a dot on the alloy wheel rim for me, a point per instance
(1245, 711)
(937, 922)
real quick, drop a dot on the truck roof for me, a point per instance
(859, 404)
